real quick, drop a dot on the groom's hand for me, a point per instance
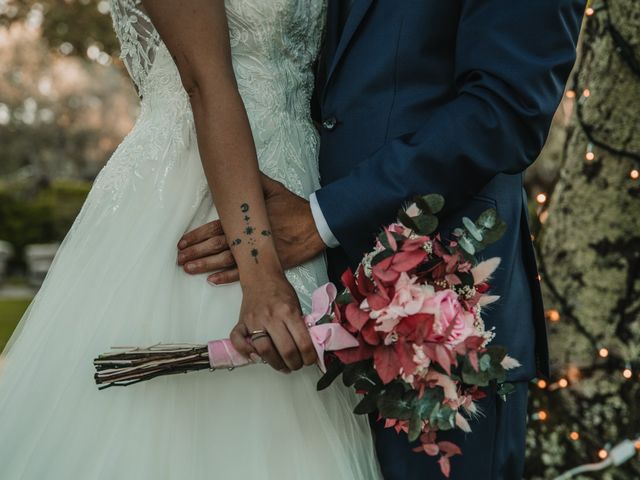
(205, 249)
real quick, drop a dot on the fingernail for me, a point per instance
(182, 244)
(190, 267)
(211, 282)
(255, 358)
(286, 371)
(181, 258)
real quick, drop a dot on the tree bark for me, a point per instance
(589, 250)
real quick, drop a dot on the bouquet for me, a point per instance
(415, 307)
(406, 333)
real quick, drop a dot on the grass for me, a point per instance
(11, 312)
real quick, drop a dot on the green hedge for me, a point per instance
(38, 214)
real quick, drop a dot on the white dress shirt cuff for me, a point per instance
(321, 223)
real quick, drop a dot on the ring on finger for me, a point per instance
(258, 336)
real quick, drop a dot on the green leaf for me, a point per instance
(429, 400)
(426, 223)
(406, 220)
(495, 234)
(472, 229)
(472, 377)
(505, 389)
(466, 245)
(355, 371)
(415, 427)
(381, 256)
(444, 418)
(344, 298)
(325, 319)
(369, 402)
(432, 203)
(392, 405)
(487, 219)
(485, 362)
(334, 369)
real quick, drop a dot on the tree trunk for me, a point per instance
(590, 259)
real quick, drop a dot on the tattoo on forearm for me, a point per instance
(249, 232)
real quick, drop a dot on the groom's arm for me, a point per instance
(513, 59)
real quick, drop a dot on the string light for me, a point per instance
(582, 93)
(553, 315)
(541, 415)
(590, 156)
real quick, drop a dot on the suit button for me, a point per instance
(329, 123)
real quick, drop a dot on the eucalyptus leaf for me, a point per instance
(505, 389)
(488, 218)
(495, 233)
(434, 202)
(344, 298)
(381, 256)
(354, 371)
(426, 223)
(406, 220)
(473, 377)
(369, 403)
(333, 371)
(472, 229)
(325, 319)
(415, 427)
(466, 245)
(485, 362)
(393, 408)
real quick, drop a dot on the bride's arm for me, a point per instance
(196, 34)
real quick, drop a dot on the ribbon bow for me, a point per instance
(328, 337)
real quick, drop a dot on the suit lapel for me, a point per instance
(357, 14)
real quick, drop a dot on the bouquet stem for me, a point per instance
(126, 366)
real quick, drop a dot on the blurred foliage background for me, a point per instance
(66, 102)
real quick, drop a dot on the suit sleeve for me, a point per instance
(512, 62)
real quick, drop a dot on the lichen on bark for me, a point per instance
(589, 249)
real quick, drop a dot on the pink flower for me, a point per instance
(452, 323)
(408, 299)
(399, 228)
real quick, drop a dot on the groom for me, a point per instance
(429, 96)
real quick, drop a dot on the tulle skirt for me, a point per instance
(115, 282)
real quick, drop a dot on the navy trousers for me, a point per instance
(494, 450)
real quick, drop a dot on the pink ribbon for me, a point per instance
(328, 337)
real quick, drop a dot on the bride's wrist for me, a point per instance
(263, 268)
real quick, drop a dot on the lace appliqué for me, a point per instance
(138, 38)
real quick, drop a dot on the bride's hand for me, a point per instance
(271, 305)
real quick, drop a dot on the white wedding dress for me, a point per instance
(115, 282)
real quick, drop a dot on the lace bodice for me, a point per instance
(274, 46)
(270, 40)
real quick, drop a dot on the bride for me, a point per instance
(225, 89)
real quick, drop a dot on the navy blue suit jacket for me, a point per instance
(453, 97)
